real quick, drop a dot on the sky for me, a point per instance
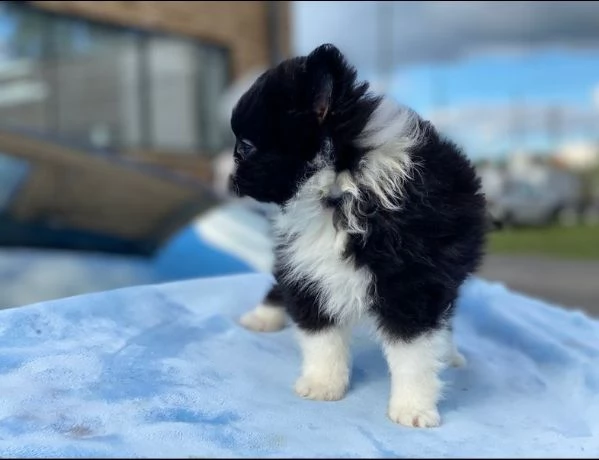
(496, 76)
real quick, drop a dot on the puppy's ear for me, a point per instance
(323, 65)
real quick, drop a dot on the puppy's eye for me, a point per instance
(245, 148)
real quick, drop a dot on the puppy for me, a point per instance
(378, 217)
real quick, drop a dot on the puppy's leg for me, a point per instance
(324, 346)
(415, 384)
(325, 370)
(269, 316)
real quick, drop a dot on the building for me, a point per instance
(95, 95)
(140, 78)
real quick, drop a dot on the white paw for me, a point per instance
(264, 319)
(458, 360)
(332, 389)
(414, 416)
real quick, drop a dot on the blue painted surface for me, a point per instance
(166, 371)
(186, 256)
(29, 275)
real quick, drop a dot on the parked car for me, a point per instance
(523, 204)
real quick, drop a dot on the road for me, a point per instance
(567, 283)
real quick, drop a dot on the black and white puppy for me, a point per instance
(379, 217)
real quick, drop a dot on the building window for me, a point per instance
(174, 82)
(109, 87)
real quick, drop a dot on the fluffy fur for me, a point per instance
(380, 217)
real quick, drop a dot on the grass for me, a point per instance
(580, 242)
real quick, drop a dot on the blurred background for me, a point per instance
(115, 142)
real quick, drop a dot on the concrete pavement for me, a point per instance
(567, 283)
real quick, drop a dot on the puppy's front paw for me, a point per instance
(321, 389)
(264, 318)
(417, 417)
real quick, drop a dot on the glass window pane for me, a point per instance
(95, 80)
(21, 32)
(173, 92)
(109, 87)
(23, 90)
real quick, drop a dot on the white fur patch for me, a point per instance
(325, 372)
(415, 383)
(314, 253)
(389, 134)
(264, 318)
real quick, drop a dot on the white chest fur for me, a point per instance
(314, 252)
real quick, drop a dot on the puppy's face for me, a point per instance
(280, 125)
